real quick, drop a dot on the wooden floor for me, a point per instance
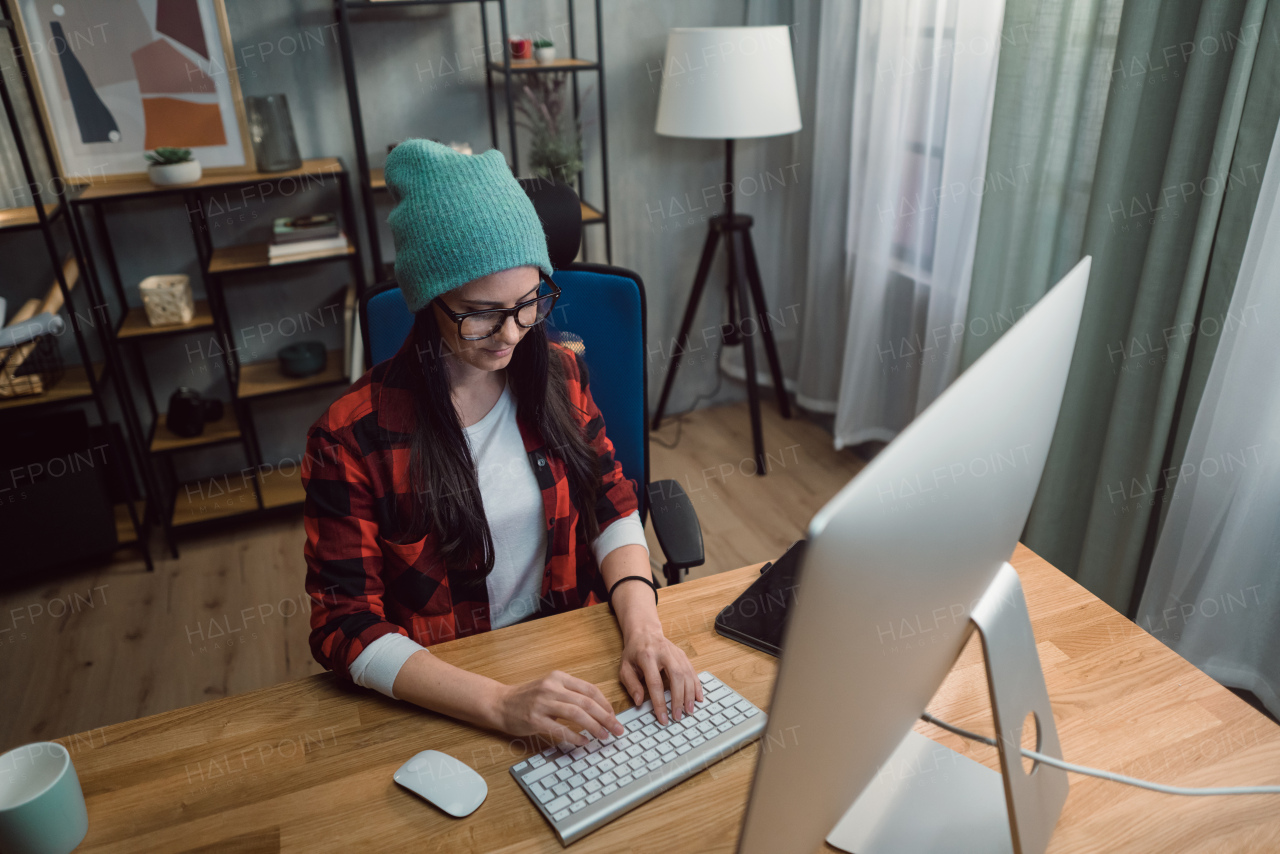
(114, 642)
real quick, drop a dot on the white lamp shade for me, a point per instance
(728, 83)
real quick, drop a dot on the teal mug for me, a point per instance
(42, 808)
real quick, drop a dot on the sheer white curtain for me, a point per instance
(1214, 583)
(896, 278)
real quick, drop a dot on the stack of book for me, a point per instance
(302, 237)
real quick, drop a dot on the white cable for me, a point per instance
(1105, 775)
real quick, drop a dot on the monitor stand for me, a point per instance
(930, 798)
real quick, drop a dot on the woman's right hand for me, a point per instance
(538, 707)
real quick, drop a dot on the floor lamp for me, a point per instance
(730, 83)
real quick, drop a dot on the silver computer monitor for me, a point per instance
(894, 565)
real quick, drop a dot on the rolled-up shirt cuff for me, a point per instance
(621, 532)
(379, 663)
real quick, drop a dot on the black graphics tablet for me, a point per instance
(758, 617)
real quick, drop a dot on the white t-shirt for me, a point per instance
(513, 507)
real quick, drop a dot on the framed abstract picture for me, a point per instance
(115, 80)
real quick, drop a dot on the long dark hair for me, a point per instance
(445, 487)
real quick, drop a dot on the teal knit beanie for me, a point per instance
(457, 217)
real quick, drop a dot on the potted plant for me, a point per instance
(170, 166)
(555, 151)
(544, 51)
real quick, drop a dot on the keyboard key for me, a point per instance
(649, 755)
(649, 743)
(562, 788)
(558, 804)
(725, 727)
(578, 752)
(684, 748)
(547, 770)
(537, 761)
(654, 765)
(667, 757)
(609, 789)
(560, 815)
(717, 719)
(608, 777)
(608, 750)
(595, 759)
(609, 738)
(696, 740)
(593, 786)
(577, 806)
(607, 765)
(562, 761)
(737, 719)
(577, 793)
(593, 797)
(750, 712)
(544, 795)
(577, 780)
(564, 773)
(637, 763)
(521, 766)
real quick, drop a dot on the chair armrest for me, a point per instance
(676, 524)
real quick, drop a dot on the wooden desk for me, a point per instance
(306, 766)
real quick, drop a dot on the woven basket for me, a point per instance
(167, 300)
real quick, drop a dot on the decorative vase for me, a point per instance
(171, 174)
(275, 148)
(544, 55)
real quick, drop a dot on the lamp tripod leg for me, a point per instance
(762, 318)
(743, 305)
(695, 295)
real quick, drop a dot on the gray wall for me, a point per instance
(418, 77)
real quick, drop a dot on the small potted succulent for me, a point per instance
(544, 51)
(170, 166)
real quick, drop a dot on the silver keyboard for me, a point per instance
(578, 789)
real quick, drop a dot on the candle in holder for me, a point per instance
(521, 48)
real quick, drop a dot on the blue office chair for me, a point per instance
(601, 315)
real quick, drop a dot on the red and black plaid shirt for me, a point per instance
(364, 584)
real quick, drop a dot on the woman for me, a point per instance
(467, 483)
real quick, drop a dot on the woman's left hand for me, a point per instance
(646, 655)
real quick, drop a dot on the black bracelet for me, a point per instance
(648, 581)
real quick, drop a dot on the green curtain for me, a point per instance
(1164, 196)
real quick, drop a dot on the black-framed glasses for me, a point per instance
(478, 325)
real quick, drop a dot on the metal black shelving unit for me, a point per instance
(221, 267)
(86, 381)
(371, 180)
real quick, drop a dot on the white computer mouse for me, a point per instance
(444, 781)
